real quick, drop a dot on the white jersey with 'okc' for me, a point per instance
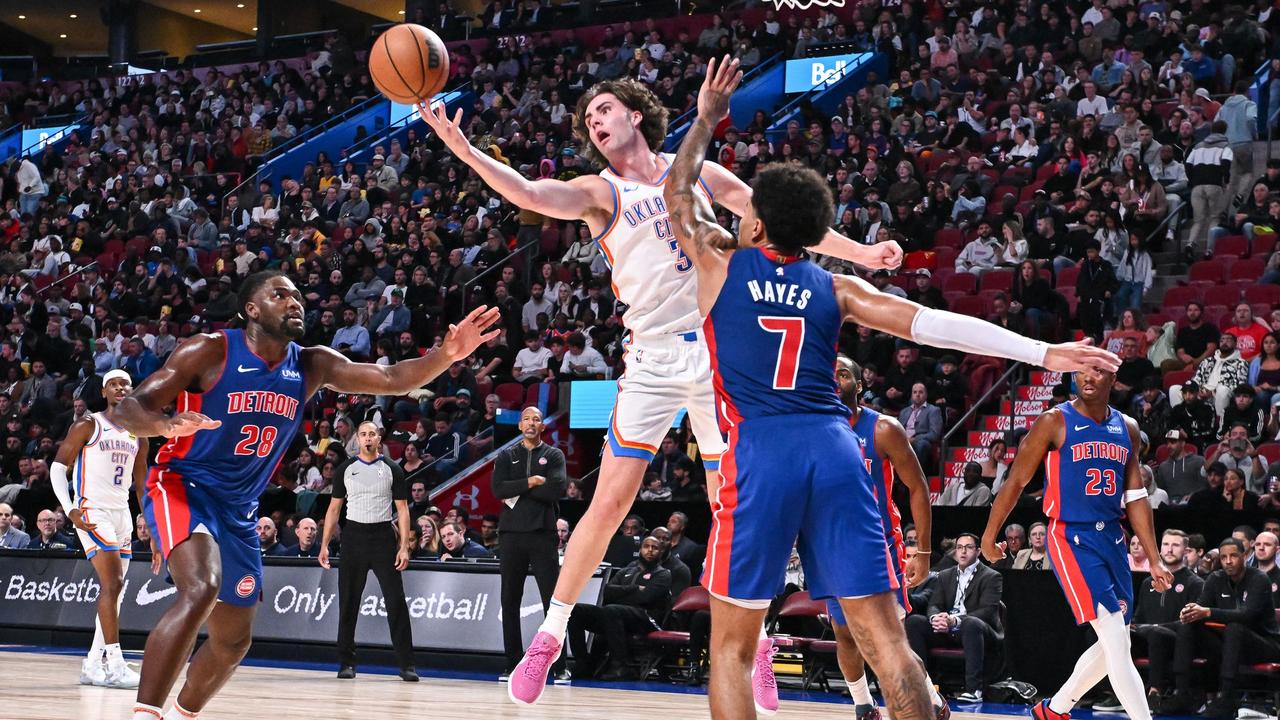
(651, 275)
(103, 472)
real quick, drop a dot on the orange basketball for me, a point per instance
(409, 63)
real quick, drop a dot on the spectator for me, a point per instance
(668, 458)
(653, 490)
(924, 293)
(583, 361)
(141, 536)
(1264, 555)
(535, 306)
(1182, 473)
(47, 536)
(11, 538)
(1208, 174)
(968, 491)
(1244, 411)
(443, 449)
(1197, 340)
(923, 423)
(530, 365)
(1234, 622)
(964, 611)
(1264, 370)
(1247, 331)
(1218, 376)
(1240, 116)
(308, 544)
(268, 543)
(1135, 370)
(1155, 619)
(351, 339)
(456, 545)
(1035, 557)
(1236, 451)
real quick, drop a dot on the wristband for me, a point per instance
(1134, 495)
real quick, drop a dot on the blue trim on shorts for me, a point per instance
(620, 451)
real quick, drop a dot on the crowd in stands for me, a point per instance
(1035, 168)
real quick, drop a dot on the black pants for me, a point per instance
(973, 635)
(1227, 647)
(1160, 641)
(612, 623)
(373, 547)
(519, 551)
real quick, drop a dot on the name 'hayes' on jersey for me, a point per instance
(1084, 479)
(784, 320)
(260, 407)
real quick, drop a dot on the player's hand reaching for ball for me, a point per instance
(721, 80)
(1080, 355)
(477, 328)
(189, 423)
(1161, 578)
(991, 550)
(449, 131)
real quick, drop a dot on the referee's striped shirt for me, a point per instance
(369, 488)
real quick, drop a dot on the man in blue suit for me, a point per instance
(923, 423)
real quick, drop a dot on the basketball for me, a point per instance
(409, 63)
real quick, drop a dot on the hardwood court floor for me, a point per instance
(39, 686)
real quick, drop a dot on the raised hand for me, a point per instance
(885, 255)
(721, 80)
(1081, 355)
(471, 332)
(190, 423)
(449, 131)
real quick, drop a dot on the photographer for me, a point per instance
(1237, 452)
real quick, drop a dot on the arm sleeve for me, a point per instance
(399, 488)
(942, 329)
(58, 478)
(340, 479)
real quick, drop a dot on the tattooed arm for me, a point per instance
(694, 222)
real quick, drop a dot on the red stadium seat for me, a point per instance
(1269, 294)
(1263, 244)
(1162, 452)
(920, 259)
(510, 395)
(1270, 451)
(1179, 296)
(1262, 310)
(997, 280)
(483, 388)
(973, 305)
(961, 282)
(1217, 315)
(1222, 295)
(1206, 272)
(1001, 191)
(1067, 278)
(1247, 270)
(1237, 245)
(948, 237)
(946, 258)
(114, 246)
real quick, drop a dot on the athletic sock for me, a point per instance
(557, 620)
(934, 697)
(111, 652)
(764, 634)
(142, 711)
(95, 650)
(860, 691)
(1113, 636)
(177, 712)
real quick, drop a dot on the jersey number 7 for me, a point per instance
(788, 366)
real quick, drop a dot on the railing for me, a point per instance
(687, 116)
(962, 423)
(67, 123)
(64, 278)
(308, 134)
(395, 125)
(466, 472)
(487, 432)
(511, 256)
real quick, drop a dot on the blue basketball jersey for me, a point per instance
(1084, 479)
(881, 473)
(772, 335)
(260, 407)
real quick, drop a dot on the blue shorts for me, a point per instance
(796, 477)
(177, 508)
(1091, 561)
(836, 613)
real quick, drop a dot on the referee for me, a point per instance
(528, 478)
(371, 483)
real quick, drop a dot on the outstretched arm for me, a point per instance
(865, 305)
(892, 440)
(561, 200)
(1042, 436)
(141, 412)
(331, 369)
(692, 218)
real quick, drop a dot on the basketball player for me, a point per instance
(1092, 479)
(621, 125)
(240, 395)
(886, 449)
(107, 461)
(790, 442)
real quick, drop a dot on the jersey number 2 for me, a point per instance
(263, 437)
(792, 331)
(1101, 482)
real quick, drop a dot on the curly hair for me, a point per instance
(794, 204)
(635, 97)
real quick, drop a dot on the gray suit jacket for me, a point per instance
(928, 424)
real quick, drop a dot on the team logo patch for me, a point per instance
(1124, 607)
(542, 461)
(1180, 587)
(246, 586)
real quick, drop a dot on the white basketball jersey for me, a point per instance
(650, 273)
(103, 474)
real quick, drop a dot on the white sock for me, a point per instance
(95, 650)
(764, 634)
(177, 712)
(557, 620)
(859, 690)
(1113, 636)
(142, 711)
(1089, 671)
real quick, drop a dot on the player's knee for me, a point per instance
(201, 590)
(111, 586)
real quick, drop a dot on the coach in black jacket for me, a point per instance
(528, 478)
(965, 611)
(1155, 619)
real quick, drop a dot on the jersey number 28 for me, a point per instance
(788, 366)
(1101, 482)
(257, 440)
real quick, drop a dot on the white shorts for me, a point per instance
(664, 374)
(113, 532)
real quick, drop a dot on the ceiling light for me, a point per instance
(255, 29)
(197, 10)
(240, 5)
(401, 12)
(63, 36)
(74, 16)
(22, 17)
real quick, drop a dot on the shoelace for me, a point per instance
(539, 659)
(764, 667)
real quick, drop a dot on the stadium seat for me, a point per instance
(510, 395)
(1162, 451)
(1247, 270)
(1270, 451)
(1181, 295)
(1269, 294)
(1261, 311)
(946, 259)
(541, 395)
(483, 388)
(1206, 272)
(972, 305)
(948, 237)
(693, 599)
(961, 282)
(1263, 244)
(920, 259)
(1067, 278)
(1216, 315)
(1177, 378)
(997, 280)
(1237, 245)
(1222, 295)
